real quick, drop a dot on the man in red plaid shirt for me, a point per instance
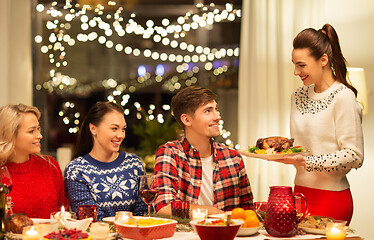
(195, 168)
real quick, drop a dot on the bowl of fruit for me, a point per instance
(145, 228)
(216, 229)
(251, 223)
(72, 234)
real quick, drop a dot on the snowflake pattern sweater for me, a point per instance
(329, 125)
(112, 186)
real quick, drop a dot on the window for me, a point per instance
(138, 53)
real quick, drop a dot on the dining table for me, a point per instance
(261, 235)
(188, 233)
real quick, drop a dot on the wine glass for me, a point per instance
(148, 190)
(6, 180)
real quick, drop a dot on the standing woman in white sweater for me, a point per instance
(326, 119)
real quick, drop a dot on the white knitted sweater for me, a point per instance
(329, 125)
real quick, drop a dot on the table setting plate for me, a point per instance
(271, 156)
(108, 219)
(314, 230)
(219, 215)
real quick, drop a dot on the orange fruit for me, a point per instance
(237, 213)
(244, 224)
(252, 221)
(249, 212)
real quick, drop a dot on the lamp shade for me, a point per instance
(357, 78)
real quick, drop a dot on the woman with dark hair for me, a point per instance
(325, 119)
(38, 187)
(100, 174)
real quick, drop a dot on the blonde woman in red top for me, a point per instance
(38, 187)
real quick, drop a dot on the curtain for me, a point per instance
(15, 52)
(266, 80)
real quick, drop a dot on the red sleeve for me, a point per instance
(62, 197)
(246, 196)
(166, 170)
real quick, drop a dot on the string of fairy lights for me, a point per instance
(59, 37)
(103, 27)
(70, 117)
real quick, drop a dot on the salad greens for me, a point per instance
(296, 149)
(252, 149)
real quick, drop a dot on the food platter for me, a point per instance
(277, 156)
(147, 232)
(314, 230)
(315, 224)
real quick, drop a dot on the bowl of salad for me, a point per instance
(216, 229)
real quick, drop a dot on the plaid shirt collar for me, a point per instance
(192, 152)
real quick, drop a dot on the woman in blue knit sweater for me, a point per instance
(100, 174)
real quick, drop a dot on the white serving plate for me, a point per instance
(248, 231)
(109, 219)
(314, 230)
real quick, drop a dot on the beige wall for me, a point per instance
(15, 52)
(354, 22)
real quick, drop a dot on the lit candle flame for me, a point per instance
(335, 230)
(31, 232)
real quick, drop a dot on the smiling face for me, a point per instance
(204, 122)
(28, 136)
(306, 67)
(109, 133)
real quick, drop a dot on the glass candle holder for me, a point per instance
(122, 216)
(99, 230)
(87, 211)
(199, 214)
(31, 233)
(180, 209)
(46, 226)
(62, 216)
(336, 230)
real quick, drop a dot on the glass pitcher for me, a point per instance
(280, 218)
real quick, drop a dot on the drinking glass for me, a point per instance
(260, 209)
(148, 190)
(87, 211)
(6, 180)
(180, 208)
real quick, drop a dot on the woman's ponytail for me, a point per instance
(338, 62)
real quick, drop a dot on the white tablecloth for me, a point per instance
(262, 235)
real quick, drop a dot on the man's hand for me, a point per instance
(211, 210)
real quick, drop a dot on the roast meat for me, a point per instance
(17, 221)
(277, 143)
